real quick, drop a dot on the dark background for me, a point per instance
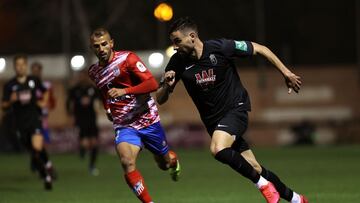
(302, 32)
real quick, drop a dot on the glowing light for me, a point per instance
(163, 12)
(2, 65)
(170, 51)
(77, 62)
(156, 60)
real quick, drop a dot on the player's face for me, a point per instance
(102, 47)
(183, 42)
(21, 67)
(36, 71)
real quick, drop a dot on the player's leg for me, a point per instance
(83, 142)
(220, 147)
(93, 143)
(37, 145)
(284, 191)
(155, 141)
(128, 146)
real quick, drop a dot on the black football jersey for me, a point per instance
(83, 98)
(25, 108)
(212, 81)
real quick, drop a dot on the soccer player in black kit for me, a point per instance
(81, 105)
(208, 72)
(20, 95)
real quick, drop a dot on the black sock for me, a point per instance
(238, 163)
(82, 152)
(39, 164)
(285, 192)
(44, 156)
(93, 155)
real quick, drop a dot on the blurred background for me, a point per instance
(311, 139)
(319, 40)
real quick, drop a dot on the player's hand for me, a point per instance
(13, 97)
(169, 78)
(293, 82)
(115, 92)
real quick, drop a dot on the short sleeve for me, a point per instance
(6, 93)
(235, 48)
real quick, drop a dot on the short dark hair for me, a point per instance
(37, 64)
(183, 23)
(98, 32)
(19, 56)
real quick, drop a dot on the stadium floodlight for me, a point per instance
(163, 12)
(2, 65)
(77, 62)
(156, 60)
(170, 51)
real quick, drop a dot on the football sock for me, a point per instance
(44, 156)
(137, 184)
(93, 155)
(39, 164)
(82, 152)
(238, 163)
(296, 198)
(173, 161)
(285, 192)
(262, 181)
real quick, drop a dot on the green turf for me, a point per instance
(328, 175)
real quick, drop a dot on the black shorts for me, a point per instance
(26, 131)
(235, 122)
(88, 131)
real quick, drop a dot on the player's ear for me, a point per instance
(193, 36)
(111, 43)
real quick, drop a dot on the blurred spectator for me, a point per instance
(19, 95)
(9, 141)
(304, 132)
(80, 105)
(36, 70)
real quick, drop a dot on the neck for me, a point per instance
(21, 79)
(198, 48)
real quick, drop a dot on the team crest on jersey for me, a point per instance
(213, 59)
(206, 78)
(31, 84)
(140, 66)
(116, 71)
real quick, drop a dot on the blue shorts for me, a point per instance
(152, 137)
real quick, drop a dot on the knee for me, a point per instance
(127, 162)
(214, 149)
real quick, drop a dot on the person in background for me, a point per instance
(81, 105)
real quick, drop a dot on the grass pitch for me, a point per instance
(323, 174)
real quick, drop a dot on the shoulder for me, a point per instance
(176, 62)
(9, 84)
(92, 67)
(219, 44)
(34, 78)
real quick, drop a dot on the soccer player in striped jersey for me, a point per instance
(209, 74)
(125, 84)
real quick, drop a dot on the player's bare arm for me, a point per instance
(43, 103)
(162, 94)
(293, 81)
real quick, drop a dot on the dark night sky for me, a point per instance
(301, 31)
